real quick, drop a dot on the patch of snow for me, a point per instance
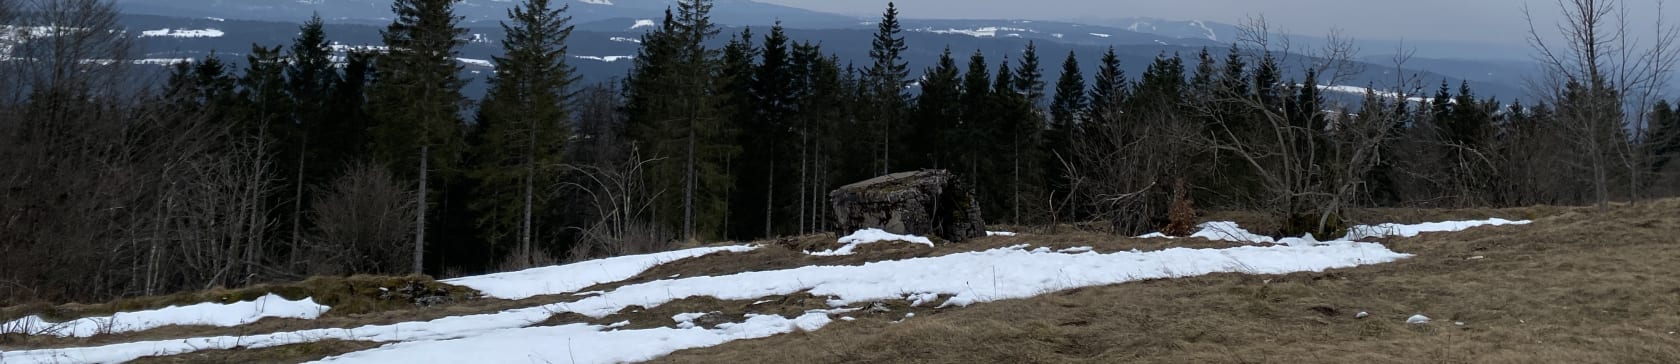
(1057, 35)
(1075, 250)
(605, 59)
(686, 320)
(1100, 35)
(916, 300)
(981, 32)
(572, 277)
(643, 23)
(1417, 319)
(1403, 230)
(625, 40)
(869, 236)
(1211, 35)
(183, 33)
(477, 62)
(999, 233)
(849, 318)
(215, 19)
(206, 314)
(596, 2)
(163, 61)
(1229, 231)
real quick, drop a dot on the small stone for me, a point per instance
(1459, 323)
(1478, 257)
(1361, 314)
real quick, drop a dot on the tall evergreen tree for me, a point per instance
(310, 78)
(1108, 92)
(417, 101)
(938, 110)
(674, 107)
(740, 110)
(1029, 77)
(1663, 141)
(971, 137)
(1067, 114)
(523, 120)
(765, 138)
(886, 80)
(1017, 130)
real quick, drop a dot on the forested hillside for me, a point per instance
(294, 161)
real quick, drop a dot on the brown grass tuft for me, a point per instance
(295, 353)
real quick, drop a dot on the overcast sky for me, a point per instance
(1476, 20)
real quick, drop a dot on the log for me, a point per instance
(926, 203)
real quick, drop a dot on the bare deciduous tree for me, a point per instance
(363, 221)
(1603, 77)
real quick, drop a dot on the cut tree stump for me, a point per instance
(925, 203)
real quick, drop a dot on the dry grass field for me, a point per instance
(1575, 286)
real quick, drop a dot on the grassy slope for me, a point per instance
(1574, 287)
(1577, 287)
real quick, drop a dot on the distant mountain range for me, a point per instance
(609, 31)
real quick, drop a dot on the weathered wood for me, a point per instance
(926, 203)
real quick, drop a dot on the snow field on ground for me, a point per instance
(207, 314)
(1229, 231)
(869, 236)
(966, 278)
(572, 277)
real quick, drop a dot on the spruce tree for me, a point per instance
(1018, 128)
(937, 111)
(886, 80)
(310, 78)
(971, 137)
(1662, 143)
(1029, 77)
(674, 107)
(1108, 92)
(417, 101)
(765, 138)
(1067, 114)
(523, 120)
(740, 111)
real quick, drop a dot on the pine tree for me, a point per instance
(1029, 77)
(1663, 140)
(886, 80)
(938, 110)
(1018, 127)
(740, 109)
(1067, 114)
(674, 107)
(417, 101)
(310, 77)
(971, 136)
(764, 140)
(1108, 92)
(523, 118)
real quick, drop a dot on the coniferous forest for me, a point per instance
(296, 161)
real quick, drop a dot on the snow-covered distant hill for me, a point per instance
(601, 49)
(741, 12)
